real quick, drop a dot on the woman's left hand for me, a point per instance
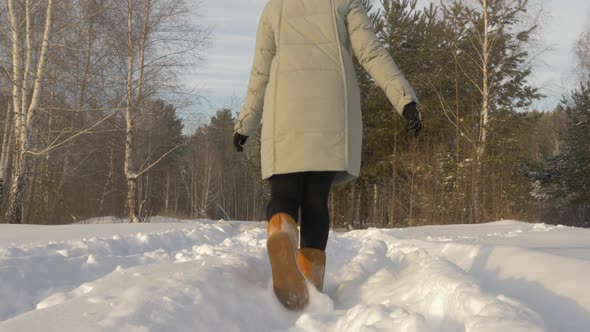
(239, 141)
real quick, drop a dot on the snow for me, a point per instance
(203, 275)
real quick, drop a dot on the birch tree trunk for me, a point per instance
(24, 112)
(16, 100)
(167, 193)
(457, 116)
(107, 188)
(485, 109)
(392, 214)
(6, 151)
(375, 217)
(132, 210)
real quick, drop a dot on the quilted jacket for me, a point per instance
(303, 86)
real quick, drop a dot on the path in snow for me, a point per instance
(214, 276)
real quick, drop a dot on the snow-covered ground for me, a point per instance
(178, 275)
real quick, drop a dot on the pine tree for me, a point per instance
(562, 181)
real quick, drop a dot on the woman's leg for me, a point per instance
(315, 216)
(282, 241)
(285, 194)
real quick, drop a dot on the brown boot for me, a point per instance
(312, 263)
(288, 282)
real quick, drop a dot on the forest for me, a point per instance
(92, 97)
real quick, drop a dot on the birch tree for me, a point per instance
(26, 93)
(6, 149)
(159, 41)
(493, 55)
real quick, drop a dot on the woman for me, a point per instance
(303, 89)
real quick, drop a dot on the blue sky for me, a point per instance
(223, 77)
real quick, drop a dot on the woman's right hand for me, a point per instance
(413, 118)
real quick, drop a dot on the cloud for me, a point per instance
(224, 74)
(560, 28)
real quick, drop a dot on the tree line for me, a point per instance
(91, 123)
(82, 85)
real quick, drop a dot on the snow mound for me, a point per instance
(213, 276)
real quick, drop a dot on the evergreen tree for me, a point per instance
(562, 181)
(441, 177)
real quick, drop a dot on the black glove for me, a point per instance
(239, 141)
(413, 117)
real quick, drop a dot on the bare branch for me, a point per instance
(55, 145)
(157, 161)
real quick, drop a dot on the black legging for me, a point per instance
(309, 190)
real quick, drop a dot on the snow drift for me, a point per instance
(201, 275)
